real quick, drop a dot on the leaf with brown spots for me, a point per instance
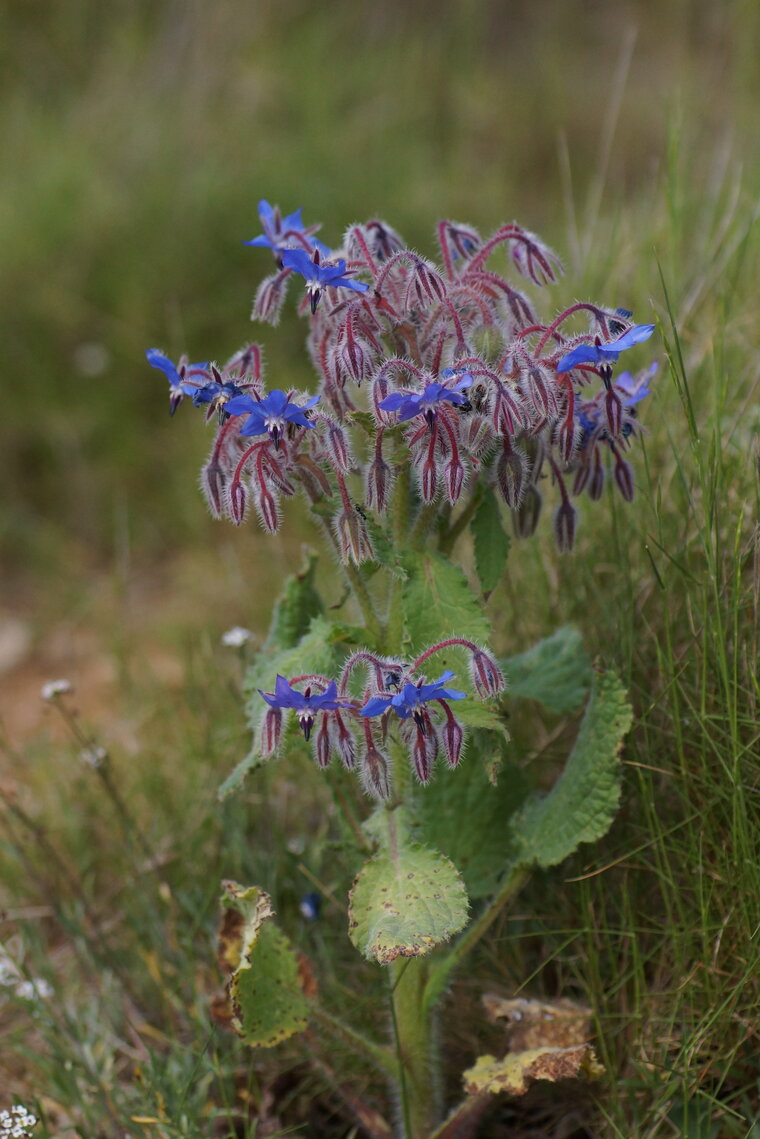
(540, 1024)
(405, 900)
(269, 984)
(517, 1070)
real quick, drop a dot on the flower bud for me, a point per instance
(356, 357)
(486, 674)
(336, 442)
(353, 536)
(476, 434)
(539, 391)
(525, 516)
(237, 503)
(343, 741)
(564, 526)
(271, 732)
(453, 738)
(212, 485)
(428, 480)
(512, 475)
(596, 482)
(378, 481)
(374, 773)
(425, 284)
(268, 509)
(507, 414)
(613, 410)
(270, 295)
(624, 478)
(425, 747)
(567, 438)
(454, 475)
(322, 743)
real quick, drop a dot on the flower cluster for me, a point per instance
(17, 1123)
(463, 383)
(354, 729)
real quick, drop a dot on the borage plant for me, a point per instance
(444, 402)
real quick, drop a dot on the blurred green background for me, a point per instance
(138, 137)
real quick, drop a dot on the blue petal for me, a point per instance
(266, 212)
(300, 262)
(583, 354)
(262, 239)
(240, 404)
(633, 336)
(375, 706)
(156, 359)
(293, 221)
(393, 402)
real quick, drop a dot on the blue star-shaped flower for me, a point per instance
(305, 704)
(412, 697)
(632, 389)
(605, 353)
(409, 404)
(270, 414)
(281, 233)
(176, 377)
(319, 276)
(217, 395)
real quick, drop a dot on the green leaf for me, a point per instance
(253, 760)
(491, 542)
(386, 554)
(516, 1071)
(298, 603)
(439, 603)
(584, 800)
(462, 814)
(266, 979)
(556, 672)
(405, 901)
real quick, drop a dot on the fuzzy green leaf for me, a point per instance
(584, 800)
(253, 760)
(439, 603)
(266, 979)
(556, 672)
(405, 901)
(298, 603)
(490, 540)
(465, 816)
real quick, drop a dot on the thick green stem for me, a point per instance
(449, 538)
(440, 973)
(414, 1048)
(399, 513)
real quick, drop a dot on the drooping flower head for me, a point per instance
(176, 374)
(409, 404)
(282, 233)
(270, 414)
(412, 698)
(318, 276)
(304, 704)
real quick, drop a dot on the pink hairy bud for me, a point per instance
(567, 438)
(425, 284)
(539, 391)
(322, 743)
(453, 738)
(596, 482)
(343, 742)
(268, 509)
(613, 410)
(356, 357)
(624, 478)
(237, 503)
(314, 480)
(337, 447)
(476, 435)
(512, 475)
(378, 483)
(353, 537)
(564, 526)
(454, 475)
(425, 746)
(525, 517)
(212, 484)
(486, 674)
(271, 731)
(270, 295)
(374, 773)
(429, 480)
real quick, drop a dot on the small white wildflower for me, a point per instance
(36, 990)
(94, 757)
(55, 688)
(236, 637)
(16, 1123)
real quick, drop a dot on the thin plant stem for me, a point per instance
(380, 1056)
